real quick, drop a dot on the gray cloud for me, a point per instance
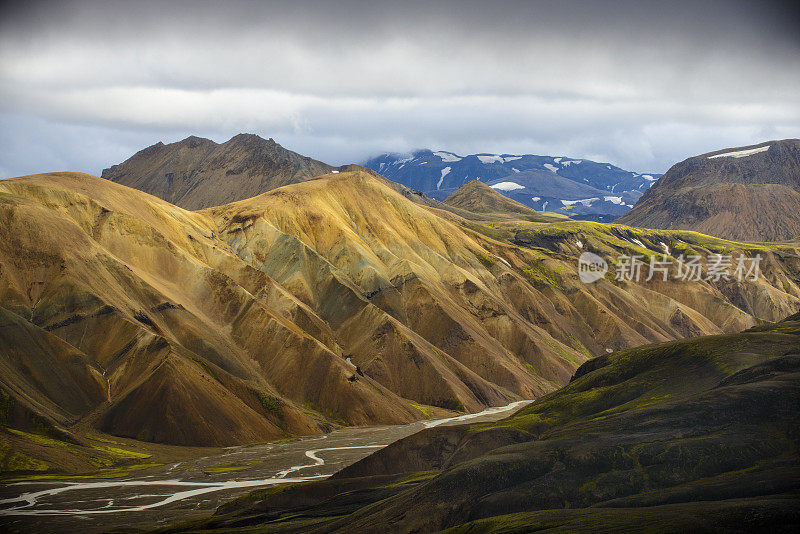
(639, 84)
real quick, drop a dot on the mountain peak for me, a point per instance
(749, 193)
(210, 174)
(194, 141)
(251, 139)
(477, 197)
(766, 148)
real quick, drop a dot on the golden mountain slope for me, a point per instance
(181, 333)
(127, 314)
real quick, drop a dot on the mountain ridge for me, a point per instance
(439, 173)
(196, 173)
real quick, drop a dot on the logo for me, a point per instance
(591, 267)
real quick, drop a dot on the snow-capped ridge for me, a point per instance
(447, 157)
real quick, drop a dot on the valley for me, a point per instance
(692, 435)
(195, 487)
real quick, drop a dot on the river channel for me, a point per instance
(194, 488)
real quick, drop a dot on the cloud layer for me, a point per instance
(638, 84)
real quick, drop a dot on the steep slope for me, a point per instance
(440, 173)
(477, 197)
(421, 273)
(158, 323)
(336, 301)
(439, 322)
(693, 435)
(747, 194)
(197, 173)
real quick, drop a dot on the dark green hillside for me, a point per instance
(698, 434)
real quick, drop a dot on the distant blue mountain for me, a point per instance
(579, 188)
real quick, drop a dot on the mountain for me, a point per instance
(547, 191)
(746, 194)
(198, 173)
(439, 173)
(696, 435)
(334, 301)
(477, 197)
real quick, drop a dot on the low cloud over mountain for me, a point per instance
(637, 84)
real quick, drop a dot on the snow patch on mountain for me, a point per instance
(741, 153)
(445, 172)
(585, 201)
(447, 157)
(507, 186)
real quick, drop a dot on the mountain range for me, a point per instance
(748, 193)
(579, 188)
(334, 301)
(338, 299)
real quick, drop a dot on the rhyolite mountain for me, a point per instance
(334, 301)
(198, 173)
(608, 191)
(748, 193)
(697, 435)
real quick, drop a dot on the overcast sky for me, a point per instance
(84, 85)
